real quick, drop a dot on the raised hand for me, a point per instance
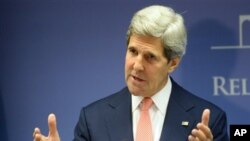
(53, 132)
(202, 132)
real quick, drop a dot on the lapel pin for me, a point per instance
(184, 123)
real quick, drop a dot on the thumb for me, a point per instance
(52, 125)
(205, 117)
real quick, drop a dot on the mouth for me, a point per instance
(137, 78)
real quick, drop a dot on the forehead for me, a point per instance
(146, 42)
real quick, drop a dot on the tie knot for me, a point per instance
(146, 103)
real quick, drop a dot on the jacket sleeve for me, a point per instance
(219, 128)
(81, 132)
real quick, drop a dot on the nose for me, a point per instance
(138, 64)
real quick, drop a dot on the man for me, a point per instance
(156, 42)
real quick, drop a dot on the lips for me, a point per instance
(137, 78)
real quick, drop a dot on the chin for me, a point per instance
(136, 92)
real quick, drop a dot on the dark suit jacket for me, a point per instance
(110, 119)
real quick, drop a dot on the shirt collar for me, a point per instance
(160, 99)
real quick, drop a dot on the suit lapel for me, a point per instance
(119, 117)
(177, 116)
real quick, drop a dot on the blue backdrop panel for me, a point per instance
(59, 56)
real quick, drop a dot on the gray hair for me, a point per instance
(161, 21)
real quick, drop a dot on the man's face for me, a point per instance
(146, 67)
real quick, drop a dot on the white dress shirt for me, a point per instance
(157, 111)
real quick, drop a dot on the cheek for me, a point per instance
(161, 74)
(127, 66)
(128, 63)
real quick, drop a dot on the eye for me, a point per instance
(132, 50)
(150, 57)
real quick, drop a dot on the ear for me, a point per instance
(173, 64)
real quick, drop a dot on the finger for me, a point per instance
(206, 130)
(36, 131)
(199, 135)
(52, 124)
(191, 138)
(38, 137)
(37, 134)
(205, 117)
